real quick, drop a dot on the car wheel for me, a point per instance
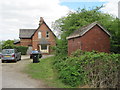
(2, 61)
(20, 58)
(30, 57)
(15, 60)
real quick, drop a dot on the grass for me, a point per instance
(44, 71)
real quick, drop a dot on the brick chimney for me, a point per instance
(41, 20)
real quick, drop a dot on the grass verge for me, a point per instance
(44, 71)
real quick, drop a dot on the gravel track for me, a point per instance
(13, 77)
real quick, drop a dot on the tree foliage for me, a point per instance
(115, 40)
(8, 44)
(79, 18)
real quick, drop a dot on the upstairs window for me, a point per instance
(47, 34)
(39, 34)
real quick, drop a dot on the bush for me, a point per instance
(92, 68)
(61, 47)
(115, 48)
(8, 44)
(21, 49)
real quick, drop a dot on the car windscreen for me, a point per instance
(7, 51)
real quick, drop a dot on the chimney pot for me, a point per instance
(41, 20)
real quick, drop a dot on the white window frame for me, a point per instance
(39, 34)
(44, 51)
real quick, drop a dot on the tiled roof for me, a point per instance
(43, 41)
(83, 30)
(26, 33)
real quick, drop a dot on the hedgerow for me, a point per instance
(92, 68)
(21, 49)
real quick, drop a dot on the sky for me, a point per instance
(25, 14)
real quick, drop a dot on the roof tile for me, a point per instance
(26, 33)
(84, 29)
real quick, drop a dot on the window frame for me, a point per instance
(39, 35)
(44, 50)
(44, 46)
(47, 34)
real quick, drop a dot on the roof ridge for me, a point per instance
(85, 29)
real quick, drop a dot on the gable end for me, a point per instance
(42, 22)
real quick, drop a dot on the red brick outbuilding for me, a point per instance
(91, 37)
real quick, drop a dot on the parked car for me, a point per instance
(10, 55)
(35, 51)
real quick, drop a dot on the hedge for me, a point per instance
(22, 49)
(115, 48)
(92, 68)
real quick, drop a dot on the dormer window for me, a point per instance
(39, 34)
(47, 34)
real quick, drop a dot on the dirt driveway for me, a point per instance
(13, 77)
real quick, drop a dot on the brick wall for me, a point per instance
(43, 28)
(25, 42)
(94, 39)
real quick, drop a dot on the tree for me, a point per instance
(115, 41)
(75, 20)
(1, 43)
(8, 44)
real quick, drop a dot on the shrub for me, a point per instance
(8, 44)
(22, 49)
(115, 48)
(92, 68)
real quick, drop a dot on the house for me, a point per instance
(41, 38)
(91, 37)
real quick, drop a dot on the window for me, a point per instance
(7, 51)
(47, 34)
(39, 34)
(43, 47)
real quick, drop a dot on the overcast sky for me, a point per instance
(25, 14)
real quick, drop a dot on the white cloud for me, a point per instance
(16, 14)
(111, 7)
(79, 0)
